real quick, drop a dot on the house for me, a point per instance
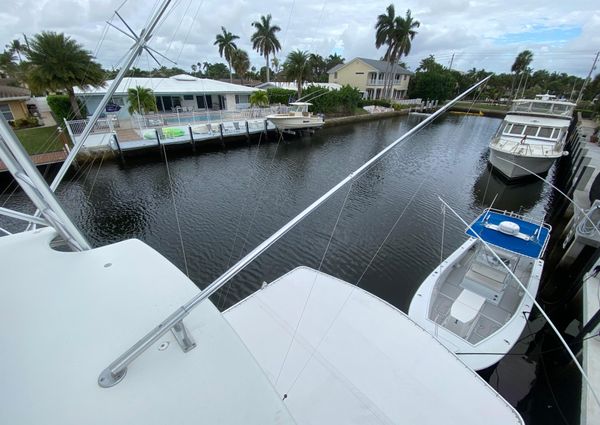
(173, 94)
(369, 77)
(13, 104)
(293, 86)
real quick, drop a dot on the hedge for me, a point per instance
(61, 107)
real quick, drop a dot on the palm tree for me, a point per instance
(259, 98)
(8, 67)
(297, 67)
(141, 100)
(240, 63)
(226, 47)
(264, 40)
(57, 62)
(15, 46)
(520, 66)
(397, 33)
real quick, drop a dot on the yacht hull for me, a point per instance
(538, 165)
(295, 123)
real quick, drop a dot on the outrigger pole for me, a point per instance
(116, 371)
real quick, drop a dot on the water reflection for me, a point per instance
(521, 196)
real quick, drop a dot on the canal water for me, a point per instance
(228, 201)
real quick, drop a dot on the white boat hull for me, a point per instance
(284, 122)
(500, 342)
(539, 165)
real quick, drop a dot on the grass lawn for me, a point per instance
(41, 139)
(487, 106)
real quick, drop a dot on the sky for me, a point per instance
(564, 36)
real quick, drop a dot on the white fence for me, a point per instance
(140, 122)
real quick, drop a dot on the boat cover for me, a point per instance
(533, 246)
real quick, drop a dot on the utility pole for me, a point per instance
(451, 61)
(587, 80)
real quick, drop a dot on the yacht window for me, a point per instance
(517, 129)
(545, 132)
(560, 108)
(505, 128)
(531, 130)
(555, 133)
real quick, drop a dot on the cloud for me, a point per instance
(483, 34)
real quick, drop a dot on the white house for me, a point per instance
(178, 93)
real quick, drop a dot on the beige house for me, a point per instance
(12, 102)
(369, 76)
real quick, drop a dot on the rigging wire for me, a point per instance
(292, 340)
(187, 272)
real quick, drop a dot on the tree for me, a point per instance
(8, 67)
(226, 44)
(333, 60)
(15, 46)
(216, 71)
(521, 65)
(401, 36)
(264, 40)
(319, 67)
(58, 62)
(240, 63)
(259, 98)
(297, 67)
(275, 63)
(141, 100)
(429, 65)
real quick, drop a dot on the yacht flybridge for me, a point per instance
(297, 118)
(79, 347)
(472, 302)
(531, 137)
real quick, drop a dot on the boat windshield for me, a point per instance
(298, 108)
(541, 107)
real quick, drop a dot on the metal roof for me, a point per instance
(293, 86)
(178, 84)
(13, 93)
(381, 66)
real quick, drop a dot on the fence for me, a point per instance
(109, 124)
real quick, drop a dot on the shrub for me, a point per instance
(277, 95)
(376, 102)
(342, 101)
(61, 107)
(26, 122)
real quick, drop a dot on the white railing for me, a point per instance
(375, 82)
(408, 101)
(178, 118)
(103, 125)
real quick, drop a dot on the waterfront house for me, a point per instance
(13, 102)
(180, 93)
(369, 77)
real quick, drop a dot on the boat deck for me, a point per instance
(493, 314)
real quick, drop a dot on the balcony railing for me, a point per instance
(382, 82)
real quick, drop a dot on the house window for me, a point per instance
(397, 77)
(6, 112)
(360, 73)
(405, 77)
(335, 74)
(242, 98)
(188, 97)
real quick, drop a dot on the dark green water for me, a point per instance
(230, 200)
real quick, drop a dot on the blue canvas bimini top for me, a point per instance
(534, 246)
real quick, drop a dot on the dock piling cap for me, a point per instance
(509, 228)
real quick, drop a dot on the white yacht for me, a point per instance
(532, 136)
(470, 302)
(297, 118)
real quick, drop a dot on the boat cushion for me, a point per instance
(466, 306)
